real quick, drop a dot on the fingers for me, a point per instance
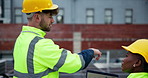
(97, 52)
(98, 57)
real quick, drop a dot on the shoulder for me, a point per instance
(138, 75)
(46, 41)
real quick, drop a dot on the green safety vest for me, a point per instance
(38, 57)
(138, 75)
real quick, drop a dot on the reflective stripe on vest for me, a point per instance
(31, 54)
(30, 65)
(28, 75)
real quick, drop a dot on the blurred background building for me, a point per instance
(81, 24)
(84, 11)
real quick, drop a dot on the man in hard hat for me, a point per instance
(136, 61)
(38, 57)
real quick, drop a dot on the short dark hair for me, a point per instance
(52, 12)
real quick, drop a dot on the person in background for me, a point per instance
(39, 57)
(136, 61)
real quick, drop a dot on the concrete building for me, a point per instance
(84, 11)
(82, 25)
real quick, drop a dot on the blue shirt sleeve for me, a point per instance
(87, 56)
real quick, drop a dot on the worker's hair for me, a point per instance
(144, 63)
(52, 12)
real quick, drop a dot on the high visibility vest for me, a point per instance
(138, 75)
(38, 57)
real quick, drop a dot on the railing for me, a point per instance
(4, 69)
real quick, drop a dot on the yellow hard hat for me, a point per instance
(30, 6)
(140, 47)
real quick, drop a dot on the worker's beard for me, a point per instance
(44, 26)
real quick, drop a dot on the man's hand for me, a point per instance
(96, 52)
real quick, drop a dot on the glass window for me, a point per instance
(108, 12)
(60, 16)
(18, 19)
(18, 12)
(89, 20)
(18, 15)
(129, 13)
(128, 16)
(90, 12)
(90, 16)
(108, 16)
(0, 10)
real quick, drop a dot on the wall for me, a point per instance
(75, 10)
(96, 35)
(75, 13)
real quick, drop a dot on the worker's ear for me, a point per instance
(37, 17)
(138, 63)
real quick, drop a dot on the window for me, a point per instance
(90, 16)
(2, 8)
(128, 16)
(108, 16)
(0, 11)
(2, 19)
(18, 15)
(60, 16)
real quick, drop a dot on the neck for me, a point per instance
(32, 24)
(138, 69)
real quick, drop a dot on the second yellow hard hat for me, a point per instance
(139, 47)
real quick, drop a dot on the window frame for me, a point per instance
(60, 15)
(129, 16)
(90, 16)
(106, 16)
(18, 15)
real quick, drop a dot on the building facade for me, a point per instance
(82, 25)
(84, 11)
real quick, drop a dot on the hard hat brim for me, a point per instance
(135, 51)
(130, 49)
(126, 48)
(52, 8)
